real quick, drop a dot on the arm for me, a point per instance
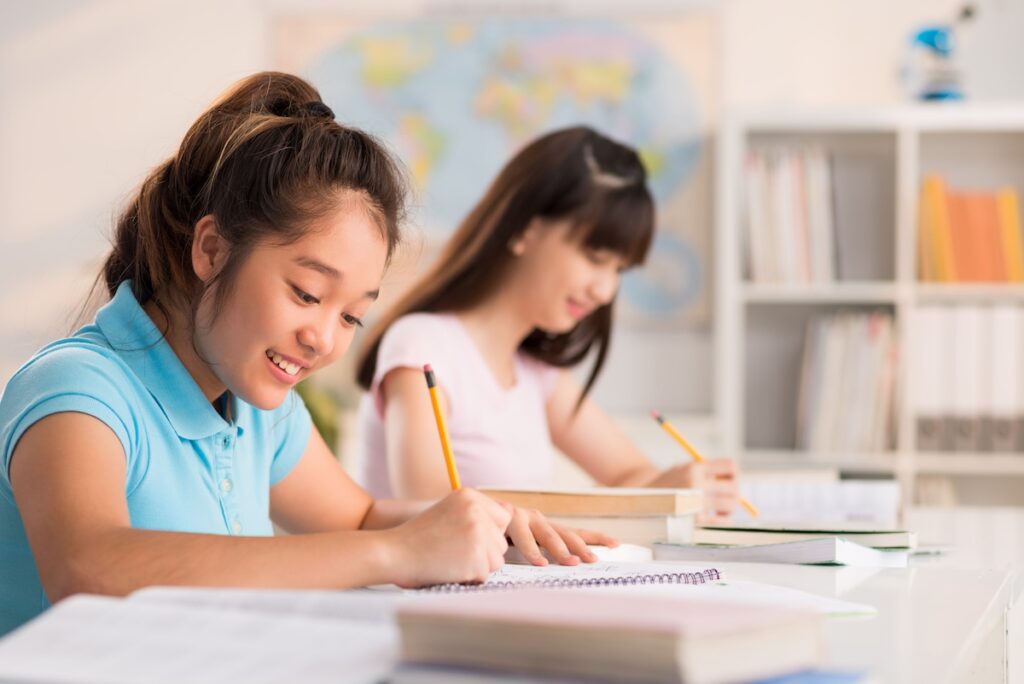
(319, 496)
(68, 476)
(417, 470)
(591, 439)
(415, 461)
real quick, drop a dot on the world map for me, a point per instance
(455, 99)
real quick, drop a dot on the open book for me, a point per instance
(610, 636)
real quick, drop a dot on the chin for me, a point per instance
(265, 400)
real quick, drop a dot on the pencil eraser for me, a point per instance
(428, 368)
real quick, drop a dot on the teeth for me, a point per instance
(289, 368)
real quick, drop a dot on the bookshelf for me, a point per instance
(878, 158)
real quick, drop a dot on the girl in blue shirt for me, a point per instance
(157, 444)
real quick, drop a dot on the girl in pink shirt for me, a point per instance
(522, 291)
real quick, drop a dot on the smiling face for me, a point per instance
(559, 280)
(292, 309)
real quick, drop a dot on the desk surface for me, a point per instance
(951, 617)
(956, 617)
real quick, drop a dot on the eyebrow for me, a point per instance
(329, 271)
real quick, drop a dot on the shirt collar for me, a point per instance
(133, 335)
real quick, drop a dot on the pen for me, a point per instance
(442, 431)
(670, 429)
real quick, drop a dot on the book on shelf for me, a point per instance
(631, 515)
(611, 636)
(768, 533)
(845, 401)
(968, 236)
(816, 551)
(790, 233)
(965, 391)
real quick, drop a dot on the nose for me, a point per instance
(605, 286)
(318, 336)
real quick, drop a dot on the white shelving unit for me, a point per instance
(760, 327)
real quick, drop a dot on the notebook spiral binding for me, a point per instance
(701, 577)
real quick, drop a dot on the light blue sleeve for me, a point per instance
(70, 379)
(292, 427)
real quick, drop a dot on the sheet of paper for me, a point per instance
(101, 639)
(358, 605)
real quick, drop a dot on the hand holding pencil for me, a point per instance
(697, 458)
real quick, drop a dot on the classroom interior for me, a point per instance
(835, 297)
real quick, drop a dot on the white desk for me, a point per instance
(955, 617)
(952, 618)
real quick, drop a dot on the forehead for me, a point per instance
(346, 240)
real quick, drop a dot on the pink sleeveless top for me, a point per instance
(499, 436)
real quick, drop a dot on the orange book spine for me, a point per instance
(960, 238)
(935, 222)
(1008, 209)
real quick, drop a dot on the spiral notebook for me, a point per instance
(585, 575)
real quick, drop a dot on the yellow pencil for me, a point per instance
(442, 431)
(670, 429)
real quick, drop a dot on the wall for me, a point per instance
(92, 94)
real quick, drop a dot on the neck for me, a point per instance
(174, 327)
(498, 327)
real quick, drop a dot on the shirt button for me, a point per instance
(226, 442)
(226, 485)
(237, 527)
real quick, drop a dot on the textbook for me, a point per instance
(752, 534)
(610, 636)
(641, 515)
(818, 551)
(604, 501)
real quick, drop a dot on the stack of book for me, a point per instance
(642, 515)
(790, 233)
(969, 236)
(846, 386)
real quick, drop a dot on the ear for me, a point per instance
(209, 249)
(518, 244)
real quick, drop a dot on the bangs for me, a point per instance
(621, 221)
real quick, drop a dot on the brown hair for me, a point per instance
(575, 174)
(265, 160)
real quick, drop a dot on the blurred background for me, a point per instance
(817, 304)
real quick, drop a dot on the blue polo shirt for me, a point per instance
(188, 470)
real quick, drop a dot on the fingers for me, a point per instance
(500, 513)
(592, 537)
(575, 543)
(548, 537)
(722, 469)
(523, 539)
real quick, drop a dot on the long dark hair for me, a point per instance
(575, 174)
(265, 160)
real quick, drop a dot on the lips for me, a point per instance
(576, 310)
(287, 364)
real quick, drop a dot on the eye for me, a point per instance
(351, 321)
(304, 296)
